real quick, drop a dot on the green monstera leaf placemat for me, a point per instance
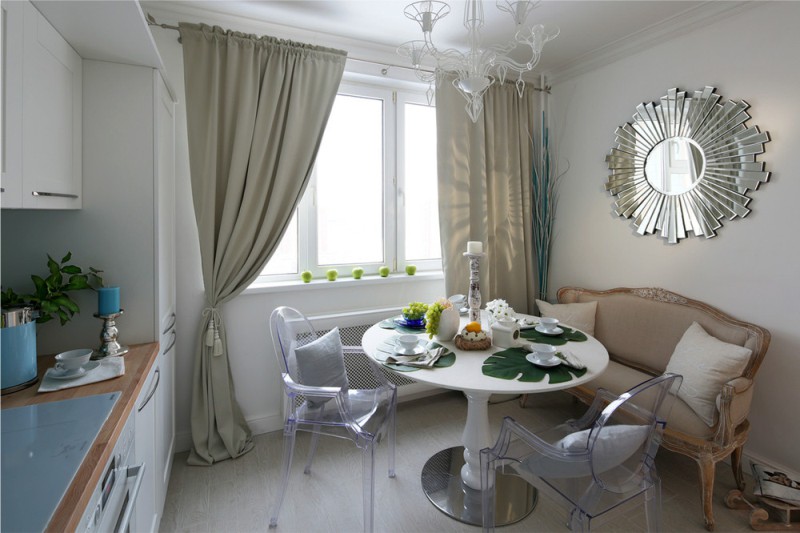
(511, 364)
(569, 335)
(386, 348)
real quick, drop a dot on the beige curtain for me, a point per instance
(256, 108)
(485, 192)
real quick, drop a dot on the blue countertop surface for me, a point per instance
(42, 447)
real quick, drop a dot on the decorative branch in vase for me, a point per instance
(545, 181)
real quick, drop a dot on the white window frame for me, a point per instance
(403, 98)
(393, 196)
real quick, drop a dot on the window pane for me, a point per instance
(284, 260)
(349, 171)
(422, 211)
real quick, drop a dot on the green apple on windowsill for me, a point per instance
(411, 270)
(383, 271)
(358, 272)
(332, 274)
(306, 276)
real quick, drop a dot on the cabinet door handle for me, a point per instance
(171, 324)
(137, 471)
(172, 344)
(152, 391)
(54, 194)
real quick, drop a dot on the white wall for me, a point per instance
(750, 270)
(255, 371)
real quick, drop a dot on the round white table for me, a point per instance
(466, 375)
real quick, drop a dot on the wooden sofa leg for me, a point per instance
(522, 400)
(736, 464)
(706, 465)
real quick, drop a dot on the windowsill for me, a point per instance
(342, 283)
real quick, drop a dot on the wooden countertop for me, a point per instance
(138, 362)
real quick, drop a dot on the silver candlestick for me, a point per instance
(474, 296)
(109, 345)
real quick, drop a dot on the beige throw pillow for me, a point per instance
(577, 315)
(706, 364)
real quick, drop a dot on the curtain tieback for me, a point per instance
(212, 331)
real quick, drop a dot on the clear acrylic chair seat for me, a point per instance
(595, 467)
(363, 416)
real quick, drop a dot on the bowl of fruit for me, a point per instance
(414, 314)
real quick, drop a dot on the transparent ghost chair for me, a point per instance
(363, 416)
(597, 466)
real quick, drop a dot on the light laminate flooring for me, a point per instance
(236, 495)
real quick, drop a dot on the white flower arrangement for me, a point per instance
(499, 309)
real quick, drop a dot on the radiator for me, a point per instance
(352, 327)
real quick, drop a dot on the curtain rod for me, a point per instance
(151, 21)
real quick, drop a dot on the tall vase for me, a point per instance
(448, 325)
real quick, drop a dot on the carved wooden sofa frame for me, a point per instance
(640, 328)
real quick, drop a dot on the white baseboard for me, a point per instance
(750, 458)
(266, 424)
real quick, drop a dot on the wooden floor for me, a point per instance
(236, 495)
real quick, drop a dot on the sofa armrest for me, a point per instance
(733, 404)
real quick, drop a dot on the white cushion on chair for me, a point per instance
(613, 446)
(577, 315)
(706, 364)
(321, 364)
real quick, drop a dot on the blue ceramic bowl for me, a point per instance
(415, 323)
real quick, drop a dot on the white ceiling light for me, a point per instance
(477, 68)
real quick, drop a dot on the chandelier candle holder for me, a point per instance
(474, 253)
(480, 66)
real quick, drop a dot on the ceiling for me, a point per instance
(587, 26)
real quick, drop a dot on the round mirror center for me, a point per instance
(675, 165)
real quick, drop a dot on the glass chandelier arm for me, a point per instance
(427, 13)
(473, 16)
(518, 10)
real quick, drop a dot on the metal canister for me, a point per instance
(17, 349)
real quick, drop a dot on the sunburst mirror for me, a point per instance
(685, 164)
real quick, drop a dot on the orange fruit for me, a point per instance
(474, 327)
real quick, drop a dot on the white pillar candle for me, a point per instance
(474, 247)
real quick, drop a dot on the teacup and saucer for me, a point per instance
(408, 345)
(73, 364)
(543, 355)
(549, 326)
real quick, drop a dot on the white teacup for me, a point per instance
(73, 359)
(543, 351)
(407, 342)
(548, 324)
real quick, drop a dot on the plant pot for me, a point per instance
(18, 338)
(448, 324)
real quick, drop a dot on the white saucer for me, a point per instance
(524, 324)
(76, 373)
(543, 361)
(420, 349)
(550, 332)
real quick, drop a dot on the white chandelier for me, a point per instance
(477, 68)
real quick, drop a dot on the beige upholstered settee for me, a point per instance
(640, 328)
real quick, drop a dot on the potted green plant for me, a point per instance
(51, 294)
(50, 299)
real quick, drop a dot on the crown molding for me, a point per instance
(682, 23)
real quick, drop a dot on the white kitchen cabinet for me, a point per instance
(129, 155)
(147, 513)
(42, 128)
